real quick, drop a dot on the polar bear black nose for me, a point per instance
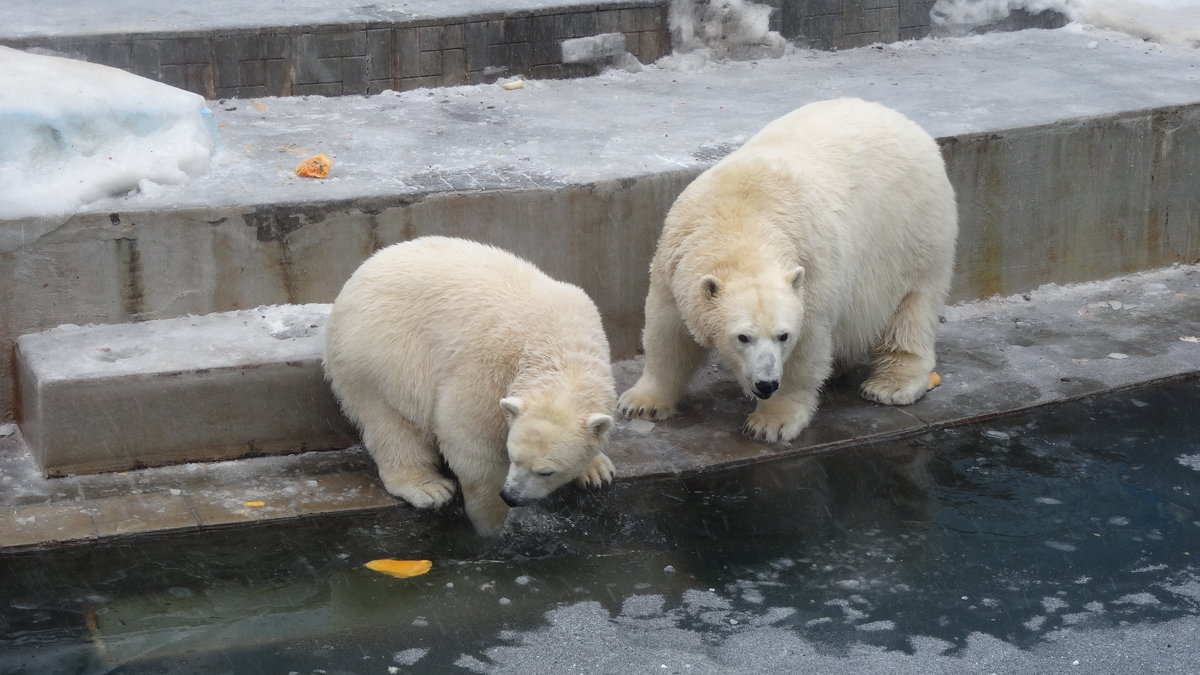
(764, 388)
(512, 499)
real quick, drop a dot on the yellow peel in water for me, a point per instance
(401, 569)
(934, 380)
(254, 503)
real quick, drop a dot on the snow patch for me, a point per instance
(75, 132)
(735, 29)
(1166, 21)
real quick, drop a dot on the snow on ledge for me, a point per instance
(74, 132)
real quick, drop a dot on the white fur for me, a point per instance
(834, 225)
(445, 344)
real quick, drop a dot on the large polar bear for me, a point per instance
(447, 344)
(828, 236)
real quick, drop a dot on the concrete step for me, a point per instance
(1072, 155)
(995, 357)
(125, 396)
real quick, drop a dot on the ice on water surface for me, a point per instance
(75, 132)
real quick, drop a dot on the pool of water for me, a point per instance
(1062, 540)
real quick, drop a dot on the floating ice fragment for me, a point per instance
(7, 430)
(640, 426)
(997, 435)
(1047, 500)
(1119, 521)
(1189, 338)
(1139, 404)
(505, 601)
(1061, 546)
(522, 580)
(669, 569)
(1190, 461)
(1118, 356)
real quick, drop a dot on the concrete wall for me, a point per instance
(368, 57)
(1063, 203)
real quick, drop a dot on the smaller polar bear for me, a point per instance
(445, 344)
(828, 236)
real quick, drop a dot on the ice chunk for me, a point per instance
(640, 426)
(593, 49)
(75, 132)
(736, 29)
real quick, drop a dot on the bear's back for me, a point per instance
(451, 299)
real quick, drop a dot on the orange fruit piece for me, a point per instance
(934, 380)
(254, 503)
(401, 569)
(316, 166)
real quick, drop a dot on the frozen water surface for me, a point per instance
(941, 553)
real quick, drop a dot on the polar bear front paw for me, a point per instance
(599, 472)
(778, 423)
(427, 493)
(645, 402)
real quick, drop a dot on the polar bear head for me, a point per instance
(548, 446)
(753, 321)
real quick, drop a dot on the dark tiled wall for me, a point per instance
(369, 58)
(845, 24)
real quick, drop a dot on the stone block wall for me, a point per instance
(367, 58)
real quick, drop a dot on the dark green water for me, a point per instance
(1073, 528)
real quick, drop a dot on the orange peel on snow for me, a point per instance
(316, 166)
(934, 380)
(401, 569)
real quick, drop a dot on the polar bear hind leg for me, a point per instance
(904, 356)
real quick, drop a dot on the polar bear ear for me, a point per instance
(511, 406)
(599, 423)
(795, 278)
(710, 285)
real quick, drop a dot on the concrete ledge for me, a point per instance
(995, 357)
(118, 397)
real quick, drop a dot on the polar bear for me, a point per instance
(451, 345)
(828, 236)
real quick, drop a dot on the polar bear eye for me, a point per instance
(783, 337)
(545, 472)
(743, 337)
